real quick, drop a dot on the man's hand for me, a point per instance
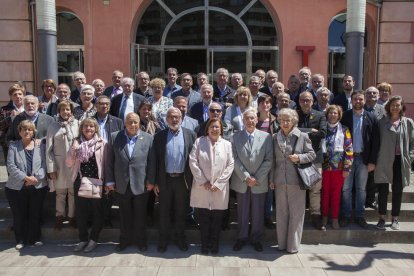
(52, 175)
(156, 190)
(31, 180)
(371, 167)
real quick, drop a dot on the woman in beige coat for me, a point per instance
(290, 196)
(60, 136)
(394, 159)
(212, 163)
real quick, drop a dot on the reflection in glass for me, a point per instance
(266, 60)
(69, 61)
(150, 61)
(260, 25)
(188, 30)
(152, 25)
(191, 61)
(69, 29)
(178, 6)
(235, 6)
(224, 30)
(233, 61)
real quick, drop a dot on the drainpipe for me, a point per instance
(47, 40)
(355, 30)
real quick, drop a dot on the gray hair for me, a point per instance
(237, 75)
(270, 72)
(172, 110)
(290, 113)
(372, 88)
(103, 97)
(205, 86)
(318, 76)
(254, 78)
(222, 70)
(95, 81)
(322, 89)
(78, 74)
(127, 80)
(87, 87)
(250, 110)
(215, 104)
(30, 98)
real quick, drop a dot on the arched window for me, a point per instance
(201, 36)
(70, 46)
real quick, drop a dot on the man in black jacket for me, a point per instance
(314, 123)
(365, 141)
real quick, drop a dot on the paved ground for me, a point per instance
(58, 259)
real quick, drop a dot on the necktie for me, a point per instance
(251, 140)
(123, 107)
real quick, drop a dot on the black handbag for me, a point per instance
(307, 172)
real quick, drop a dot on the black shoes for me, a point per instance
(121, 247)
(257, 246)
(182, 245)
(142, 247)
(238, 245)
(161, 248)
(381, 224)
(269, 224)
(344, 222)
(361, 222)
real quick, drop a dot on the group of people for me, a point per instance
(191, 145)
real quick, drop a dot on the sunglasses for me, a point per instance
(215, 110)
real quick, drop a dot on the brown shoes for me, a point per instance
(72, 222)
(59, 223)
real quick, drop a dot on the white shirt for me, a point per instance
(130, 105)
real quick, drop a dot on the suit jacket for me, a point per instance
(57, 148)
(112, 124)
(108, 91)
(42, 123)
(193, 98)
(117, 100)
(196, 112)
(213, 164)
(75, 96)
(316, 120)
(17, 164)
(232, 118)
(370, 135)
(284, 171)
(378, 111)
(189, 123)
(342, 101)
(266, 90)
(157, 171)
(255, 161)
(124, 170)
(227, 95)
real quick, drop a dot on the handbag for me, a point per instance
(90, 187)
(308, 173)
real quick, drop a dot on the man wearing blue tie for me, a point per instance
(126, 102)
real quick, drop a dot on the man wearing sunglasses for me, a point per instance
(215, 111)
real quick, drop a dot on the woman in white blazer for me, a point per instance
(59, 138)
(26, 164)
(212, 163)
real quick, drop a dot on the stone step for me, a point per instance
(352, 233)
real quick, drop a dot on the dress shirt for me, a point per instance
(129, 106)
(174, 159)
(169, 90)
(102, 129)
(357, 142)
(116, 91)
(131, 142)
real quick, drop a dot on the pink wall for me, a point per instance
(109, 30)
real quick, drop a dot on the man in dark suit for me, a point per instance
(199, 111)
(271, 78)
(41, 121)
(107, 124)
(215, 111)
(125, 173)
(79, 79)
(344, 99)
(314, 123)
(192, 96)
(180, 102)
(63, 93)
(169, 173)
(222, 92)
(126, 102)
(365, 142)
(116, 87)
(143, 88)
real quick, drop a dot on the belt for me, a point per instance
(173, 175)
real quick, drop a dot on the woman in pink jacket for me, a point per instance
(212, 163)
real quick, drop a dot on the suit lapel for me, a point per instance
(36, 159)
(245, 141)
(138, 143)
(20, 151)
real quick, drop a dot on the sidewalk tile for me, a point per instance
(170, 259)
(238, 271)
(275, 260)
(222, 261)
(127, 271)
(293, 271)
(27, 271)
(118, 260)
(73, 271)
(185, 271)
(325, 260)
(62, 259)
(346, 272)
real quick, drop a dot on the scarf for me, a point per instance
(337, 143)
(86, 148)
(66, 125)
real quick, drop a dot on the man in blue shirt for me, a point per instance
(169, 173)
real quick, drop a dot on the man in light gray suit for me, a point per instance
(252, 150)
(125, 173)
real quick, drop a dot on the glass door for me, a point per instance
(237, 60)
(70, 60)
(336, 68)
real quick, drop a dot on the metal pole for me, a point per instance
(355, 30)
(47, 40)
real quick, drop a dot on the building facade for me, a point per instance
(99, 36)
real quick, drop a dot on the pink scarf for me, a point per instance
(86, 149)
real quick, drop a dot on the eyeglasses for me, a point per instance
(212, 110)
(104, 103)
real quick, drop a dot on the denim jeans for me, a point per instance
(358, 179)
